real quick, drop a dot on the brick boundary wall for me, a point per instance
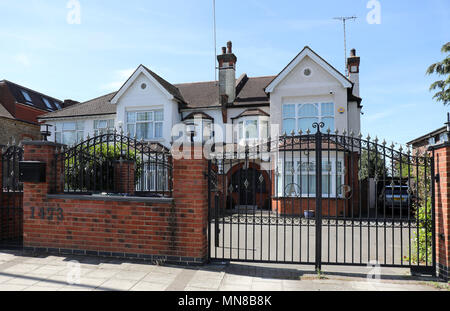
(442, 211)
(168, 229)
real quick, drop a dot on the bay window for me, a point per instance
(252, 128)
(69, 133)
(145, 125)
(302, 116)
(300, 175)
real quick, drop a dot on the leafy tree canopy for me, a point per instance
(442, 87)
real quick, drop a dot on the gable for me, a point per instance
(170, 91)
(321, 71)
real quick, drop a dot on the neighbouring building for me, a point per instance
(19, 109)
(147, 107)
(421, 144)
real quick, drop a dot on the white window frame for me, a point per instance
(203, 129)
(297, 116)
(60, 129)
(242, 131)
(336, 176)
(153, 122)
(103, 130)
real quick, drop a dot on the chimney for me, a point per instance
(227, 73)
(353, 70)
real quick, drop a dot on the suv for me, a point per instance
(395, 197)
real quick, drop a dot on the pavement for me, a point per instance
(21, 271)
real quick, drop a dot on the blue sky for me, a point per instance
(40, 50)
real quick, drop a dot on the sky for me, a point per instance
(44, 46)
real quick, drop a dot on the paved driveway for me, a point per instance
(22, 272)
(291, 239)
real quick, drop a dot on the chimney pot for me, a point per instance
(230, 47)
(353, 52)
(224, 50)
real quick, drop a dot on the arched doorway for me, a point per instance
(248, 185)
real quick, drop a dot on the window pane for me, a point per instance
(288, 111)
(326, 184)
(141, 130)
(329, 123)
(308, 184)
(69, 138)
(131, 117)
(288, 126)
(159, 115)
(70, 126)
(306, 123)
(158, 130)
(58, 138)
(143, 116)
(264, 130)
(241, 130)
(130, 130)
(251, 129)
(80, 136)
(26, 96)
(328, 109)
(308, 110)
(80, 125)
(150, 133)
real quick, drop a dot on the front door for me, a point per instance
(244, 181)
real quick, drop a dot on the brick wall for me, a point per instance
(173, 230)
(442, 203)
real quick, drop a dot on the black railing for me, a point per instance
(11, 156)
(334, 198)
(114, 164)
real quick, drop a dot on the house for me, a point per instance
(148, 107)
(19, 109)
(421, 144)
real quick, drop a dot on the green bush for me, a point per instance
(92, 168)
(422, 240)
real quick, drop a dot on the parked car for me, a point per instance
(395, 197)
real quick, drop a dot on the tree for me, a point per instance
(442, 69)
(372, 164)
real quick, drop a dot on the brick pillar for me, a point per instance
(124, 177)
(442, 199)
(190, 192)
(35, 194)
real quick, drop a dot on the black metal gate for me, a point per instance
(365, 203)
(11, 199)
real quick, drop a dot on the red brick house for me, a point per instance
(19, 110)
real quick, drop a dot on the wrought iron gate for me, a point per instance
(11, 198)
(365, 203)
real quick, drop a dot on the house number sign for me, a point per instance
(49, 213)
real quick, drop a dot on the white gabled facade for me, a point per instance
(306, 91)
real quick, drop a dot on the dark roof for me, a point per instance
(200, 94)
(169, 87)
(97, 106)
(252, 112)
(250, 91)
(194, 115)
(37, 99)
(427, 136)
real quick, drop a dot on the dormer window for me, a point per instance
(252, 128)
